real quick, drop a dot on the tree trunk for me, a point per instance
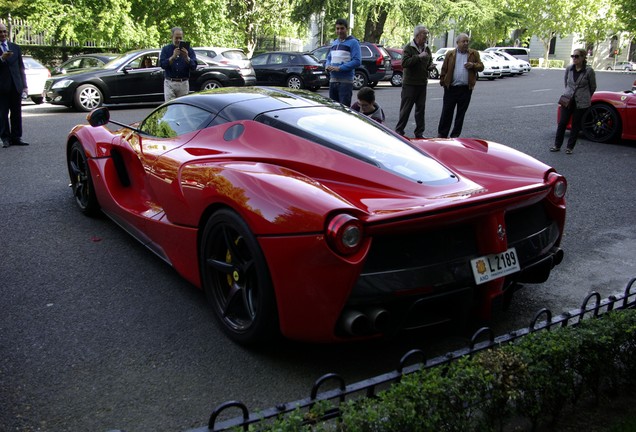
(374, 25)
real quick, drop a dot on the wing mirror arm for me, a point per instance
(101, 117)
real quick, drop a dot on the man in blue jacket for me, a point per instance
(342, 60)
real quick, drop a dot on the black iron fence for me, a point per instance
(592, 307)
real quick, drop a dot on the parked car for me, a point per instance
(509, 66)
(36, 76)
(299, 216)
(492, 69)
(438, 61)
(622, 65)
(127, 80)
(519, 66)
(291, 69)
(442, 51)
(396, 66)
(612, 116)
(518, 52)
(84, 61)
(233, 57)
(376, 64)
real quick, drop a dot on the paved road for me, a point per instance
(96, 333)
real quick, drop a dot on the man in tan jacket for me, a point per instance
(458, 77)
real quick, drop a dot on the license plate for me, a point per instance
(491, 267)
(323, 76)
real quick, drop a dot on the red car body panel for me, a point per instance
(625, 104)
(622, 103)
(286, 187)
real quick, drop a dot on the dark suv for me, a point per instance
(376, 64)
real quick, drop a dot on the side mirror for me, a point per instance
(98, 117)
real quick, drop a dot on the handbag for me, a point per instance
(565, 101)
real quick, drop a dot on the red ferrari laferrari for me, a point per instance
(300, 217)
(612, 116)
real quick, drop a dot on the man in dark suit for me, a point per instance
(12, 84)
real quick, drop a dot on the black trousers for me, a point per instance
(577, 121)
(412, 95)
(454, 97)
(11, 103)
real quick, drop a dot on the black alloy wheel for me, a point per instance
(236, 280)
(601, 123)
(81, 181)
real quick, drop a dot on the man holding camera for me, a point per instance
(177, 60)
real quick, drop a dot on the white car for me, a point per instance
(233, 57)
(442, 52)
(36, 76)
(438, 60)
(518, 66)
(505, 65)
(492, 69)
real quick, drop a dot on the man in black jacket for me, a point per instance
(12, 85)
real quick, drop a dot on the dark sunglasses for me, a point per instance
(575, 56)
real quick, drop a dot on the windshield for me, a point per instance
(359, 137)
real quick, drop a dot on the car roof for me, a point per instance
(238, 103)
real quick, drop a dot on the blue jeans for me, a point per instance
(341, 92)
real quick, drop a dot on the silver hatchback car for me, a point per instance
(233, 57)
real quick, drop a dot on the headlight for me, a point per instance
(62, 84)
(344, 234)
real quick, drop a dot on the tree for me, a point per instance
(546, 19)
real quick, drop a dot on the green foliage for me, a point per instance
(534, 379)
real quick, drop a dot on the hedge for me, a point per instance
(531, 380)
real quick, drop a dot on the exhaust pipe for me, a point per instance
(557, 257)
(380, 319)
(355, 323)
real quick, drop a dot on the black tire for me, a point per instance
(396, 79)
(211, 84)
(37, 99)
(601, 123)
(295, 82)
(81, 180)
(433, 73)
(87, 98)
(359, 80)
(236, 280)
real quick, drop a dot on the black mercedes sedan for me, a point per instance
(130, 78)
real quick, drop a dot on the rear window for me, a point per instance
(361, 138)
(516, 51)
(30, 63)
(235, 55)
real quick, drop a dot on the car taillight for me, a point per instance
(379, 61)
(344, 234)
(559, 186)
(310, 68)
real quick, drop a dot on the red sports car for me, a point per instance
(612, 116)
(301, 217)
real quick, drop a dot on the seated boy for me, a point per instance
(366, 105)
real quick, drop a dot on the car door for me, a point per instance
(135, 82)
(261, 68)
